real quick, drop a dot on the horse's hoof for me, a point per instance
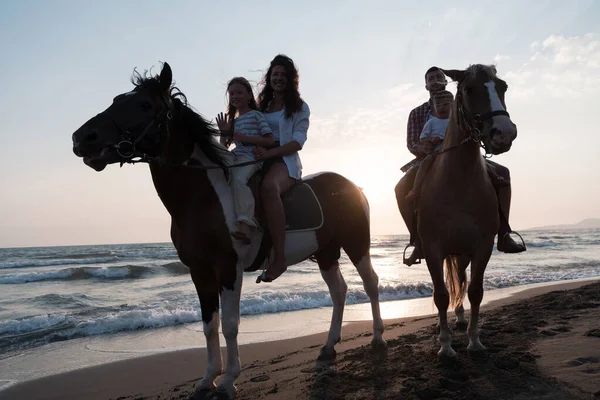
(223, 394)
(477, 354)
(379, 345)
(327, 354)
(447, 357)
(204, 394)
(461, 326)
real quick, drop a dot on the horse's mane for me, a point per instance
(473, 69)
(202, 131)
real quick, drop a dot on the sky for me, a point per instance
(361, 72)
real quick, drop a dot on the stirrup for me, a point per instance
(516, 233)
(405, 259)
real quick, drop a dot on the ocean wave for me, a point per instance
(76, 256)
(56, 262)
(183, 308)
(31, 324)
(541, 243)
(108, 273)
(54, 258)
(274, 302)
(40, 329)
(65, 301)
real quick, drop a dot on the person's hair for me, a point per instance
(432, 69)
(231, 110)
(442, 94)
(291, 98)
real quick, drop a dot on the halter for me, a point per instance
(474, 125)
(126, 149)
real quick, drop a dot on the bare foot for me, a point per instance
(274, 271)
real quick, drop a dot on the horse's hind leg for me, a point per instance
(459, 310)
(478, 266)
(371, 285)
(330, 271)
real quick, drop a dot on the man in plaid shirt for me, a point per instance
(435, 80)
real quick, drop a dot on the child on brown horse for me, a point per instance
(432, 137)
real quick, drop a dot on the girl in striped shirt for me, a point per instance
(247, 128)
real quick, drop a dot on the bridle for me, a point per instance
(473, 124)
(126, 148)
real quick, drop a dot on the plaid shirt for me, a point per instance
(416, 121)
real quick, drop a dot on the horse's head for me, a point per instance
(481, 109)
(134, 125)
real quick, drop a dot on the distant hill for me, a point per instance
(589, 223)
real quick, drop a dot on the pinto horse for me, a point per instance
(457, 212)
(153, 123)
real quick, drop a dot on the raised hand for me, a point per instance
(224, 123)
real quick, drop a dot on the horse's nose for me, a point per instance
(90, 136)
(85, 135)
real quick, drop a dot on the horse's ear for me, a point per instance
(455, 74)
(166, 77)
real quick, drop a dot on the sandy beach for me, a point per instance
(543, 343)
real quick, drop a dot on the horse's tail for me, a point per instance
(456, 288)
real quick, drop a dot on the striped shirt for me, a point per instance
(253, 123)
(416, 122)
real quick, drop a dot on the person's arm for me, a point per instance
(285, 150)
(266, 137)
(412, 135)
(299, 136)
(263, 141)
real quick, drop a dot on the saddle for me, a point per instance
(302, 210)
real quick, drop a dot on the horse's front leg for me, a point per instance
(208, 293)
(441, 297)
(230, 302)
(478, 266)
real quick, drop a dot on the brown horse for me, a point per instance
(189, 169)
(457, 212)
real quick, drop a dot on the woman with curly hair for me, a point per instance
(288, 117)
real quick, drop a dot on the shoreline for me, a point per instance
(117, 370)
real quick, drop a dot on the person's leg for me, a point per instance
(504, 194)
(275, 182)
(497, 180)
(414, 193)
(243, 198)
(407, 209)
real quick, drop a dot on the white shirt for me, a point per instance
(273, 121)
(291, 129)
(435, 128)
